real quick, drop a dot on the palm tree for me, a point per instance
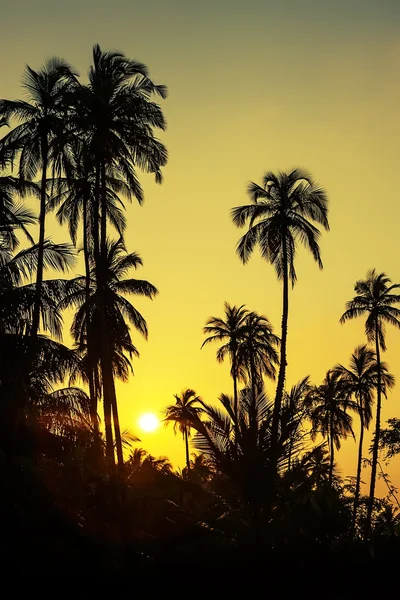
(116, 339)
(231, 331)
(375, 299)
(74, 195)
(328, 404)
(39, 138)
(115, 116)
(184, 413)
(257, 350)
(281, 215)
(295, 413)
(360, 379)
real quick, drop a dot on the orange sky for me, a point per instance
(254, 86)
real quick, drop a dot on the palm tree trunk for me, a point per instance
(117, 429)
(90, 373)
(283, 363)
(235, 397)
(375, 448)
(359, 464)
(107, 411)
(96, 213)
(331, 450)
(103, 221)
(187, 452)
(42, 217)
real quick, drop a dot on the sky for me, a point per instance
(253, 86)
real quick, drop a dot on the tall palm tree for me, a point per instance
(328, 405)
(183, 414)
(87, 323)
(74, 196)
(375, 299)
(282, 213)
(360, 378)
(39, 138)
(230, 331)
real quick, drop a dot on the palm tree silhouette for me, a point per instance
(231, 331)
(328, 404)
(280, 216)
(115, 117)
(119, 312)
(360, 378)
(257, 350)
(40, 138)
(184, 413)
(375, 299)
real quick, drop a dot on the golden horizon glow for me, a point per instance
(149, 422)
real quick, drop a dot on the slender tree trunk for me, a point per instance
(235, 397)
(90, 370)
(96, 217)
(359, 465)
(107, 412)
(103, 222)
(42, 217)
(375, 448)
(283, 363)
(117, 429)
(332, 457)
(187, 452)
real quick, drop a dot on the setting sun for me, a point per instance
(148, 422)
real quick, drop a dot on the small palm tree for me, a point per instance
(328, 405)
(375, 299)
(257, 350)
(282, 213)
(40, 138)
(360, 379)
(230, 331)
(184, 413)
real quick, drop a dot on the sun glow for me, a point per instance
(149, 422)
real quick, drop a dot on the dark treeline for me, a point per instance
(260, 491)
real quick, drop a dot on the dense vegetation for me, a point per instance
(262, 483)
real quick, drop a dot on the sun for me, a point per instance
(148, 422)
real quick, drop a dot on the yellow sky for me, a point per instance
(254, 86)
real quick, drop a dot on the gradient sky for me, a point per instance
(254, 86)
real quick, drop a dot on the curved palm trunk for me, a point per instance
(375, 449)
(42, 217)
(117, 429)
(283, 363)
(359, 464)
(187, 452)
